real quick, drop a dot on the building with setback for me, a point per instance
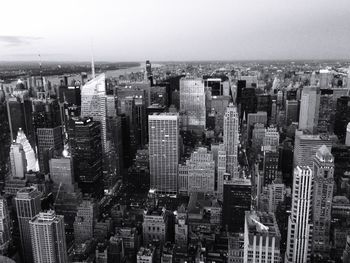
(231, 140)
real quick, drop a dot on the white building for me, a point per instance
(94, 104)
(261, 238)
(163, 131)
(5, 226)
(192, 101)
(32, 164)
(48, 238)
(299, 239)
(347, 139)
(18, 160)
(231, 140)
(309, 108)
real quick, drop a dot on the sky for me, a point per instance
(174, 30)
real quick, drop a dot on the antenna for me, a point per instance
(92, 61)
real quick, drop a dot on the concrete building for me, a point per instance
(309, 108)
(94, 104)
(231, 140)
(18, 161)
(322, 200)
(192, 102)
(347, 138)
(299, 237)
(221, 170)
(146, 255)
(235, 253)
(28, 205)
(28, 150)
(201, 171)
(292, 110)
(85, 221)
(5, 226)
(48, 238)
(163, 130)
(181, 228)
(261, 238)
(61, 173)
(306, 145)
(154, 227)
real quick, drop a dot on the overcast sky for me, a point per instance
(163, 30)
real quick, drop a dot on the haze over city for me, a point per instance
(174, 30)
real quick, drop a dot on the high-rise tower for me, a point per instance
(309, 108)
(48, 238)
(163, 130)
(28, 205)
(322, 199)
(300, 221)
(231, 140)
(94, 104)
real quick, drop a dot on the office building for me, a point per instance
(49, 140)
(192, 102)
(342, 117)
(5, 138)
(299, 237)
(48, 238)
(231, 140)
(306, 145)
(220, 170)
(31, 160)
(146, 255)
(292, 111)
(253, 118)
(235, 253)
(62, 174)
(181, 228)
(115, 250)
(309, 108)
(94, 104)
(84, 223)
(347, 138)
(323, 169)
(326, 111)
(28, 205)
(154, 227)
(236, 200)
(201, 171)
(248, 102)
(18, 160)
(5, 226)
(261, 238)
(85, 141)
(163, 131)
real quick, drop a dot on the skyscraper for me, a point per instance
(231, 140)
(236, 200)
(28, 205)
(85, 221)
(48, 238)
(192, 102)
(85, 141)
(94, 104)
(28, 150)
(201, 171)
(18, 160)
(61, 173)
(292, 111)
(5, 226)
(309, 108)
(342, 117)
(163, 130)
(306, 145)
(322, 200)
(300, 220)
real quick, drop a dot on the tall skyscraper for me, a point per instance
(5, 137)
(49, 140)
(5, 226)
(18, 160)
(61, 173)
(85, 141)
(342, 117)
(309, 108)
(163, 130)
(236, 200)
(48, 238)
(31, 160)
(292, 107)
(231, 140)
(192, 102)
(94, 104)
(221, 170)
(28, 205)
(322, 200)
(300, 220)
(347, 138)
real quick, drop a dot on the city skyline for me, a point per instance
(181, 31)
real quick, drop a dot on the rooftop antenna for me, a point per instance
(92, 61)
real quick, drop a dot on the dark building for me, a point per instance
(342, 117)
(248, 102)
(264, 103)
(326, 111)
(4, 139)
(237, 200)
(341, 154)
(241, 84)
(271, 161)
(85, 140)
(149, 71)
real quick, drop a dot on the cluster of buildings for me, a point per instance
(181, 163)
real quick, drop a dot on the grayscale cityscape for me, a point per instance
(161, 131)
